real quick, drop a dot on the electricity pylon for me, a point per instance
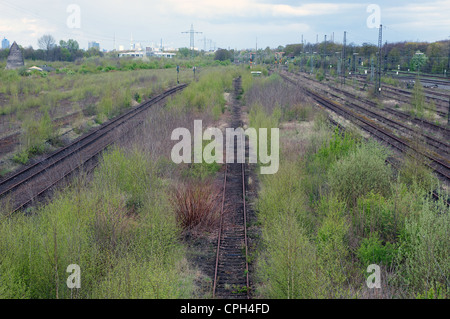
(192, 33)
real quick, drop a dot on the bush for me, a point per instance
(319, 161)
(197, 206)
(332, 246)
(287, 269)
(415, 174)
(362, 171)
(424, 252)
(123, 250)
(372, 251)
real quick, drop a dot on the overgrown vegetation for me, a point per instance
(335, 208)
(119, 230)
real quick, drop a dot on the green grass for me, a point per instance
(335, 209)
(119, 229)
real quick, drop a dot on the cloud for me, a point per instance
(207, 9)
(32, 28)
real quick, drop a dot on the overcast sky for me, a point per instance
(227, 23)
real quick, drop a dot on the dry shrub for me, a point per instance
(197, 206)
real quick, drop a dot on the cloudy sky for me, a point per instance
(225, 23)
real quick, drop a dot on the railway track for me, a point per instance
(391, 161)
(441, 147)
(441, 167)
(440, 99)
(405, 97)
(9, 142)
(231, 276)
(432, 127)
(25, 186)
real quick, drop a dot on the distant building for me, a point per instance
(156, 52)
(5, 44)
(131, 54)
(15, 58)
(94, 45)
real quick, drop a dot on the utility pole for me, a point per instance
(448, 60)
(256, 52)
(192, 33)
(372, 70)
(325, 56)
(385, 58)
(448, 113)
(344, 57)
(380, 41)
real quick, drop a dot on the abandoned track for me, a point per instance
(439, 166)
(436, 129)
(25, 186)
(396, 122)
(231, 276)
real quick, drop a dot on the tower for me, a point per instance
(380, 41)
(192, 33)
(344, 57)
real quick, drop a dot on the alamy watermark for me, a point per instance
(74, 280)
(374, 19)
(74, 19)
(374, 280)
(213, 151)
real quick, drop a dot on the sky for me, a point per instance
(230, 24)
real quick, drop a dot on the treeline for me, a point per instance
(50, 51)
(436, 54)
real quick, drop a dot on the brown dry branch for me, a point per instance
(197, 206)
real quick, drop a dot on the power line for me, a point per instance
(192, 33)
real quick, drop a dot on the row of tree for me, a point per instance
(430, 57)
(49, 50)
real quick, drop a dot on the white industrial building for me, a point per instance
(131, 54)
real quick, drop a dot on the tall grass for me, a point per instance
(120, 229)
(335, 208)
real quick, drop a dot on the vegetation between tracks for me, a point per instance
(122, 225)
(335, 208)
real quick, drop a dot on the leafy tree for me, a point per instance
(71, 45)
(184, 52)
(418, 61)
(222, 55)
(93, 52)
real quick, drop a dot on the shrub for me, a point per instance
(362, 171)
(414, 173)
(320, 160)
(375, 213)
(424, 252)
(332, 246)
(197, 206)
(287, 269)
(372, 251)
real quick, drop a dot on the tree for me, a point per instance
(184, 52)
(47, 43)
(70, 50)
(71, 45)
(418, 60)
(222, 55)
(93, 52)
